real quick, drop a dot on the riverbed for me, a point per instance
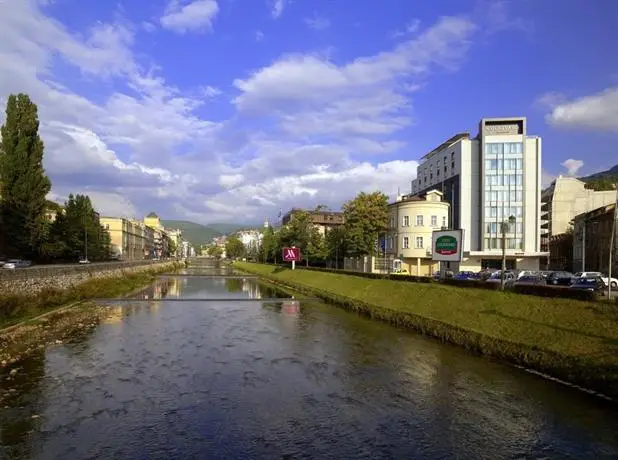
(171, 374)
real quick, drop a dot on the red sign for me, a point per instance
(291, 254)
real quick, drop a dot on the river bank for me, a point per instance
(29, 322)
(570, 340)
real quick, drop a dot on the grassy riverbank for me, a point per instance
(568, 339)
(17, 308)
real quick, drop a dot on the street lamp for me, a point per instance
(504, 227)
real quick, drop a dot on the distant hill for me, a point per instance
(604, 180)
(196, 234)
(226, 229)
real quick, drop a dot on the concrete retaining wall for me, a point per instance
(35, 279)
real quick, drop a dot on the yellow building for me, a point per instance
(131, 239)
(412, 220)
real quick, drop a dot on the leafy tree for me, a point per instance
(234, 248)
(270, 245)
(79, 231)
(215, 251)
(298, 231)
(336, 245)
(603, 183)
(172, 248)
(23, 183)
(366, 217)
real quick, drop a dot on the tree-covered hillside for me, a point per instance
(196, 234)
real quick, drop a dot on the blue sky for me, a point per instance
(230, 110)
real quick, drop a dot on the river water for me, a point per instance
(243, 378)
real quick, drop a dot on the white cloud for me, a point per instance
(317, 23)
(196, 15)
(546, 178)
(277, 7)
(572, 166)
(139, 144)
(259, 36)
(595, 112)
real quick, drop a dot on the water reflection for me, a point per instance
(295, 379)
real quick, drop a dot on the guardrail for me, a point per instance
(46, 271)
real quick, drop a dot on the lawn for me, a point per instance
(569, 338)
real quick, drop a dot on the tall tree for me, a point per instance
(336, 245)
(366, 217)
(80, 231)
(234, 248)
(269, 245)
(23, 182)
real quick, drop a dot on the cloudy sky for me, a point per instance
(230, 110)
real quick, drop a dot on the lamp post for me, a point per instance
(611, 248)
(504, 227)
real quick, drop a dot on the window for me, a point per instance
(434, 221)
(406, 221)
(419, 221)
(419, 242)
(406, 242)
(444, 221)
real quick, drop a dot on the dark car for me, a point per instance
(467, 276)
(560, 278)
(536, 280)
(588, 284)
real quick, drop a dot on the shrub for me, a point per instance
(555, 292)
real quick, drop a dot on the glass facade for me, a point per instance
(503, 177)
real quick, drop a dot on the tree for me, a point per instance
(298, 231)
(336, 245)
(234, 248)
(79, 231)
(269, 245)
(366, 217)
(23, 182)
(215, 251)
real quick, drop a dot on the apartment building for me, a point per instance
(592, 233)
(412, 219)
(323, 220)
(130, 239)
(564, 199)
(487, 179)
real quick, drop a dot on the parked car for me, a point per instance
(536, 280)
(467, 275)
(12, 264)
(84, 261)
(509, 278)
(588, 283)
(604, 278)
(560, 278)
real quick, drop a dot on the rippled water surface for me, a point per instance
(238, 379)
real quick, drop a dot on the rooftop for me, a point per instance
(446, 144)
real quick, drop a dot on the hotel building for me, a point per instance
(487, 179)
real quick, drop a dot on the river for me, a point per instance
(171, 376)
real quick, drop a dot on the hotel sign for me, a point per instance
(502, 129)
(447, 245)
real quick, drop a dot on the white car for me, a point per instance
(12, 264)
(605, 279)
(84, 261)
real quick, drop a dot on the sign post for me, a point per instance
(447, 246)
(291, 255)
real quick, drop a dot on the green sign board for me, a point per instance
(446, 245)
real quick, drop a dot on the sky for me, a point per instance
(233, 110)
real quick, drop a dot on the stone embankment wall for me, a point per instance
(34, 279)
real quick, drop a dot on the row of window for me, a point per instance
(503, 212)
(511, 243)
(418, 242)
(505, 195)
(405, 221)
(501, 148)
(506, 179)
(495, 227)
(508, 163)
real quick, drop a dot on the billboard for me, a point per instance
(447, 245)
(290, 254)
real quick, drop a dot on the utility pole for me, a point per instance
(611, 248)
(584, 246)
(85, 242)
(504, 227)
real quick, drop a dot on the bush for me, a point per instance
(377, 276)
(471, 284)
(556, 292)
